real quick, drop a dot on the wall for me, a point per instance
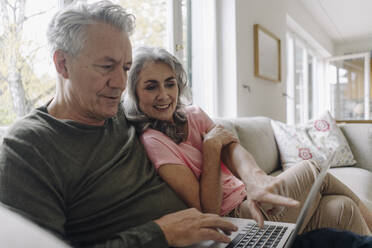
(262, 97)
(364, 45)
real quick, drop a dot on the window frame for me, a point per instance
(174, 25)
(367, 79)
(317, 101)
(174, 32)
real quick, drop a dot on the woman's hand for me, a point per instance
(219, 136)
(263, 191)
(267, 193)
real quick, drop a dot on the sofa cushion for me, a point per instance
(29, 235)
(358, 180)
(359, 137)
(316, 139)
(255, 134)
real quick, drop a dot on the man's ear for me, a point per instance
(60, 61)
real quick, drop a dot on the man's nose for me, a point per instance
(118, 79)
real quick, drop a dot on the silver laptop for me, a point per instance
(273, 234)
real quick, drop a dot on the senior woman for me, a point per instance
(190, 153)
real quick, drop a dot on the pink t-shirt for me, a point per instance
(162, 150)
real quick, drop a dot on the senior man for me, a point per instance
(75, 166)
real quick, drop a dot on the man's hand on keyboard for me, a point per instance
(190, 226)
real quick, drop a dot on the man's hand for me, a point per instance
(268, 194)
(190, 226)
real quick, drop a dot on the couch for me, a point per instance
(17, 232)
(256, 135)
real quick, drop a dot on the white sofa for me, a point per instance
(17, 232)
(256, 135)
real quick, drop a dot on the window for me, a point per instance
(304, 81)
(161, 23)
(204, 55)
(315, 84)
(348, 78)
(300, 96)
(26, 80)
(27, 74)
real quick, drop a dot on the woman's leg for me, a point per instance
(367, 214)
(340, 212)
(336, 187)
(299, 180)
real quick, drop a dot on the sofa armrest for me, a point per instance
(358, 180)
(359, 137)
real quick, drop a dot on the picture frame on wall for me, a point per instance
(267, 54)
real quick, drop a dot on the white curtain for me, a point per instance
(204, 55)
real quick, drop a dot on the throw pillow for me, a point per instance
(315, 140)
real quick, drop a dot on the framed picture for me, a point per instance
(267, 54)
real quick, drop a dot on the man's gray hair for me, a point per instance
(66, 31)
(141, 58)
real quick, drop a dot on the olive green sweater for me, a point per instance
(91, 186)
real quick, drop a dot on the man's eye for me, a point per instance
(125, 68)
(106, 66)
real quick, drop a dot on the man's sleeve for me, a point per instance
(148, 235)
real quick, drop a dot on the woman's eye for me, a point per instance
(150, 87)
(170, 84)
(126, 68)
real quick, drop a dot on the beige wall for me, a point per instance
(359, 46)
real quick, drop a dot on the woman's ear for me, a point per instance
(60, 60)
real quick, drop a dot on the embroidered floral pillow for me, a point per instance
(315, 140)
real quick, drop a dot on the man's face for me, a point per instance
(98, 73)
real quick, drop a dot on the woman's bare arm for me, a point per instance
(183, 182)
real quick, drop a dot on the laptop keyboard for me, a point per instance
(253, 236)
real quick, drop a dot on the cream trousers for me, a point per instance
(335, 206)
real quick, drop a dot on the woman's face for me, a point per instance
(157, 91)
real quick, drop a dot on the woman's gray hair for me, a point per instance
(141, 58)
(66, 29)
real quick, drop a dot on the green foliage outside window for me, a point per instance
(151, 21)
(22, 88)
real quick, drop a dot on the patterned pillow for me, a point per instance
(315, 140)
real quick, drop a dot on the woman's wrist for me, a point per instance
(211, 144)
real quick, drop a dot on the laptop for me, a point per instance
(273, 234)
